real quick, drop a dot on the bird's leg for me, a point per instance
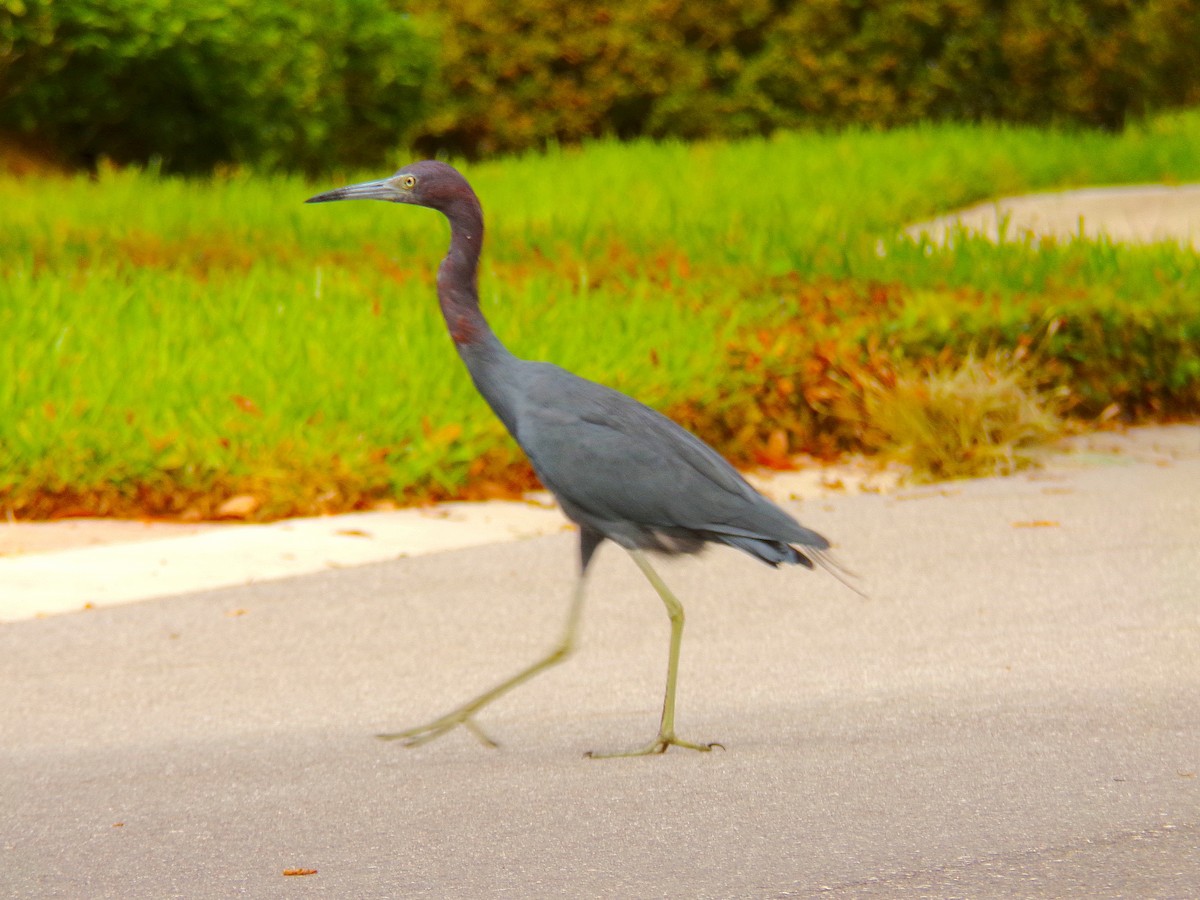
(666, 730)
(464, 715)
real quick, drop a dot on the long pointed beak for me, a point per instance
(367, 190)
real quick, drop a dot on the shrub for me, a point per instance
(341, 82)
(854, 368)
(521, 74)
(979, 415)
(1098, 61)
(196, 83)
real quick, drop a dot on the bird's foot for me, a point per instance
(657, 746)
(423, 734)
(465, 715)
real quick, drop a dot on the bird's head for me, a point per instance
(426, 183)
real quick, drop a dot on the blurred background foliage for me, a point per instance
(516, 75)
(192, 85)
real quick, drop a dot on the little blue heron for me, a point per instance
(620, 470)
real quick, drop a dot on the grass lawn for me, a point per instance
(168, 344)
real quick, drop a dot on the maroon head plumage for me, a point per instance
(424, 183)
(438, 186)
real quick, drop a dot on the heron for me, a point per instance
(620, 471)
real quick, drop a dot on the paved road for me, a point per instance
(1014, 712)
(1142, 213)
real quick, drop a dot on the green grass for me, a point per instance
(169, 343)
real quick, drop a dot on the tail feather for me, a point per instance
(834, 567)
(775, 553)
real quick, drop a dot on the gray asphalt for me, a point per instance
(1015, 711)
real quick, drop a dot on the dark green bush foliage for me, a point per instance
(198, 83)
(516, 75)
(311, 85)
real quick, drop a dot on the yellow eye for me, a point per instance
(408, 182)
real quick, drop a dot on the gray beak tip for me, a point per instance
(368, 190)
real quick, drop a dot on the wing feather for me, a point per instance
(617, 460)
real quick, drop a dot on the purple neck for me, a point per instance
(491, 365)
(457, 288)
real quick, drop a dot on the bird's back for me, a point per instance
(636, 477)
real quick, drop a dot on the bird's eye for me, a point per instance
(408, 182)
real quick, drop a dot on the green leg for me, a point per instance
(464, 715)
(666, 730)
